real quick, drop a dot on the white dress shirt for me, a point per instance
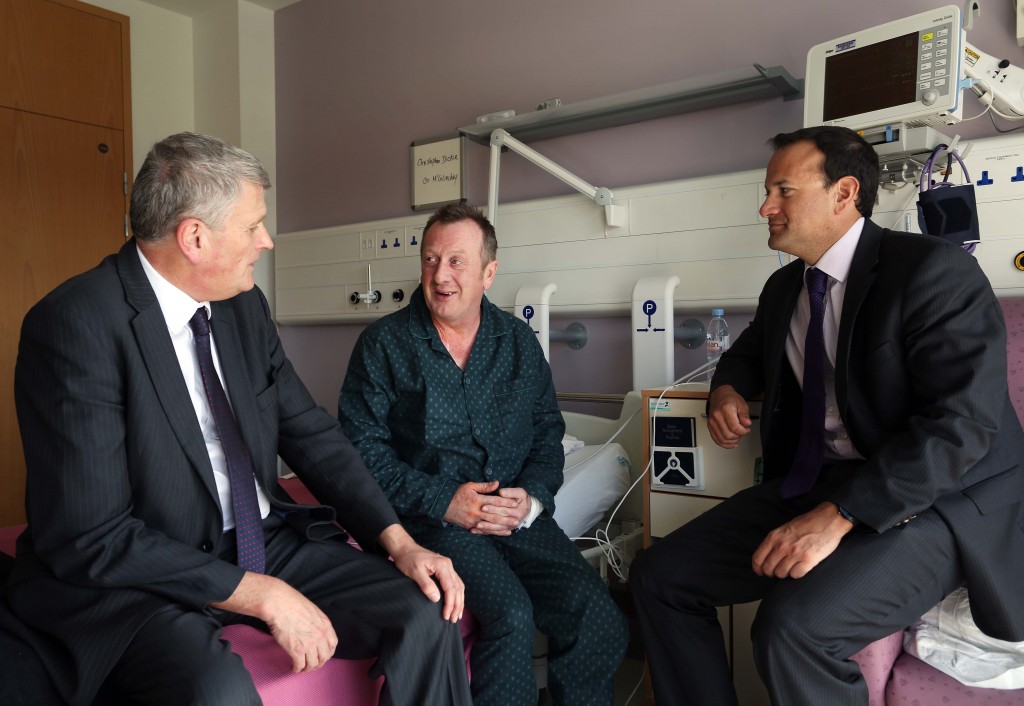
(178, 309)
(836, 264)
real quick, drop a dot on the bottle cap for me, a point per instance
(718, 312)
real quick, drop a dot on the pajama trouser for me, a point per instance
(535, 577)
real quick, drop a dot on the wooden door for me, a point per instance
(62, 213)
(63, 59)
(64, 162)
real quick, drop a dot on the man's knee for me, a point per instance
(220, 677)
(789, 625)
(653, 577)
(641, 571)
(228, 683)
(513, 618)
(427, 619)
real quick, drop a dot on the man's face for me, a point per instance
(801, 211)
(236, 244)
(454, 274)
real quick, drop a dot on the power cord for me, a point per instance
(612, 553)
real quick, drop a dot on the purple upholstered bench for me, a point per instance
(897, 678)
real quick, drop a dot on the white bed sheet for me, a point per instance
(595, 479)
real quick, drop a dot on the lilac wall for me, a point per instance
(320, 354)
(357, 81)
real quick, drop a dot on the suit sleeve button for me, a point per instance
(207, 546)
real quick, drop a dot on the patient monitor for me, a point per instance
(903, 72)
(894, 83)
(900, 83)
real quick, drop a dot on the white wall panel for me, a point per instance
(705, 231)
(696, 209)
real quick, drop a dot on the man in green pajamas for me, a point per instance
(450, 402)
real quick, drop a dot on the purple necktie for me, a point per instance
(808, 457)
(248, 523)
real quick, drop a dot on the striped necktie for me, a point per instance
(246, 506)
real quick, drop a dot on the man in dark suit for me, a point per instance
(900, 483)
(135, 503)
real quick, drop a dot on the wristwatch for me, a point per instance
(845, 514)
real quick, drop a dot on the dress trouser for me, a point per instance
(536, 576)
(376, 611)
(806, 629)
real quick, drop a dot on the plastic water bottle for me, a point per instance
(718, 338)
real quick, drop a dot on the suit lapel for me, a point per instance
(158, 355)
(783, 308)
(858, 284)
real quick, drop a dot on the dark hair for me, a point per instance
(460, 211)
(846, 154)
(190, 176)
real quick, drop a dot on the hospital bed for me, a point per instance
(601, 480)
(597, 477)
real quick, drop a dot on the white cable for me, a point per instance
(612, 553)
(906, 207)
(1004, 116)
(605, 445)
(988, 98)
(635, 689)
(988, 107)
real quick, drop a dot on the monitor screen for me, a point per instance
(904, 72)
(871, 78)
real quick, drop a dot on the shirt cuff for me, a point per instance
(536, 507)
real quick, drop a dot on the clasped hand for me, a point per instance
(474, 508)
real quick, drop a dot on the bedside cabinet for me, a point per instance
(689, 475)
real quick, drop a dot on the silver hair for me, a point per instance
(190, 176)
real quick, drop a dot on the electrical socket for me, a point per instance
(413, 238)
(390, 242)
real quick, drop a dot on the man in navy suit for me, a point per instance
(917, 485)
(128, 568)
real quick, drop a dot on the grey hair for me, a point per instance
(190, 176)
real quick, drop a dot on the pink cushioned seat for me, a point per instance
(340, 682)
(915, 683)
(876, 661)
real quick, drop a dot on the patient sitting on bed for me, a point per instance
(451, 404)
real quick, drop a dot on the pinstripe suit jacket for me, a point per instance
(122, 505)
(921, 387)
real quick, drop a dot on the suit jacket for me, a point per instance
(122, 505)
(921, 387)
